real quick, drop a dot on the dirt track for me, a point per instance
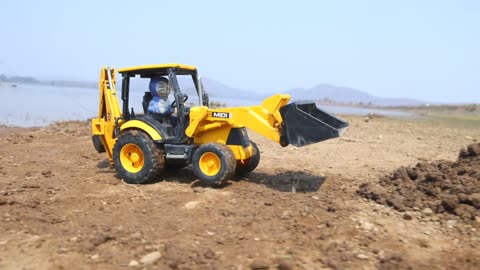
(61, 207)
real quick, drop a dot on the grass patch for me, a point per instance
(454, 120)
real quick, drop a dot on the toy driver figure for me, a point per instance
(160, 89)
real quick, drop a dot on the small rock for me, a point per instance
(133, 263)
(34, 238)
(331, 209)
(451, 223)
(362, 256)
(209, 254)
(94, 257)
(137, 236)
(73, 239)
(268, 203)
(423, 243)
(225, 213)
(468, 138)
(381, 254)
(380, 137)
(30, 186)
(366, 225)
(315, 198)
(198, 190)
(285, 264)
(259, 264)
(191, 205)
(151, 257)
(477, 219)
(286, 214)
(101, 238)
(427, 211)
(63, 250)
(407, 216)
(419, 138)
(47, 173)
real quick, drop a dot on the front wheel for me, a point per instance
(137, 158)
(251, 163)
(214, 163)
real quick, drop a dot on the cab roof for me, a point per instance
(159, 69)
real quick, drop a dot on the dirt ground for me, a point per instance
(61, 206)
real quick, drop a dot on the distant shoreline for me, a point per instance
(7, 85)
(14, 80)
(52, 83)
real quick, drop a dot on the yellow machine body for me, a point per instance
(274, 118)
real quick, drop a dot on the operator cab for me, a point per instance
(170, 118)
(156, 101)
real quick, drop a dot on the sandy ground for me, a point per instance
(61, 206)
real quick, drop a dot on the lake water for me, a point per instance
(37, 105)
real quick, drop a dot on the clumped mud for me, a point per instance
(444, 187)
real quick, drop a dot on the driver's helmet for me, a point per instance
(160, 87)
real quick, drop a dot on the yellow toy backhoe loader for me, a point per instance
(213, 141)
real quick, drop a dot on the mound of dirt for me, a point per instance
(444, 187)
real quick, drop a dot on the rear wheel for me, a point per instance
(137, 158)
(251, 163)
(214, 163)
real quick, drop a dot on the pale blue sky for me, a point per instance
(427, 50)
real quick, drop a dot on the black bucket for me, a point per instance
(305, 124)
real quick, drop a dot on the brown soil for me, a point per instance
(61, 206)
(451, 189)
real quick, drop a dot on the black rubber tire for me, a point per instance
(154, 159)
(251, 163)
(227, 159)
(98, 144)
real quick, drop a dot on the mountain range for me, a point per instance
(321, 92)
(348, 95)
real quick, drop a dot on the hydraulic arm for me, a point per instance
(109, 113)
(298, 124)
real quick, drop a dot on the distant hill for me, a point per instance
(17, 79)
(347, 95)
(217, 89)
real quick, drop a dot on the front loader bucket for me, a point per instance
(305, 124)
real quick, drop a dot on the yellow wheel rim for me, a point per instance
(132, 158)
(210, 164)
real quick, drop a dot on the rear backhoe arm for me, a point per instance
(108, 112)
